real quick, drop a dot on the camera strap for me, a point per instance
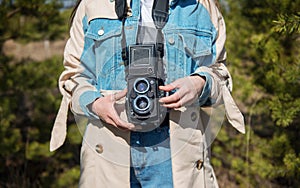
(121, 9)
(160, 14)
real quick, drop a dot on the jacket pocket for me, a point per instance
(102, 29)
(196, 43)
(103, 39)
(186, 50)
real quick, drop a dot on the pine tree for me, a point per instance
(29, 100)
(263, 54)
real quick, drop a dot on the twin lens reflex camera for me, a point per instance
(144, 75)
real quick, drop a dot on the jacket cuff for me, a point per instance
(205, 94)
(86, 100)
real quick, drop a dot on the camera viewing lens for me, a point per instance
(141, 85)
(141, 104)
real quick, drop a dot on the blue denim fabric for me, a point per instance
(190, 42)
(151, 159)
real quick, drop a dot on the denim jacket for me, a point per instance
(93, 62)
(189, 45)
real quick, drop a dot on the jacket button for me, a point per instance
(171, 41)
(199, 164)
(129, 12)
(99, 148)
(194, 116)
(100, 32)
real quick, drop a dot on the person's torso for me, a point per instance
(188, 37)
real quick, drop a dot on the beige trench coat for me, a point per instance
(105, 153)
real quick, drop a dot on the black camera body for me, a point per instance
(144, 74)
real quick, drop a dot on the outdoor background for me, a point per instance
(263, 47)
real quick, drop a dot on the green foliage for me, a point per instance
(263, 44)
(287, 23)
(263, 51)
(75, 132)
(29, 101)
(68, 178)
(284, 109)
(31, 20)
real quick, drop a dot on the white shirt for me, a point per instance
(146, 13)
(147, 31)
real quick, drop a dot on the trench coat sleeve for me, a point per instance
(219, 52)
(70, 78)
(220, 81)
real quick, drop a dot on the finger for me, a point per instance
(121, 126)
(177, 104)
(110, 121)
(127, 126)
(186, 100)
(171, 86)
(171, 99)
(168, 87)
(119, 122)
(138, 128)
(124, 125)
(120, 95)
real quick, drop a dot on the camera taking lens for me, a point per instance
(141, 105)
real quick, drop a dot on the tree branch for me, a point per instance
(10, 14)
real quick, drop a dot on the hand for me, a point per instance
(104, 108)
(189, 89)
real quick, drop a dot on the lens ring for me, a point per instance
(137, 107)
(141, 85)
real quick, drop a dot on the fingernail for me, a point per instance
(138, 128)
(131, 126)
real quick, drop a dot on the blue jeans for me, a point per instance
(151, 159)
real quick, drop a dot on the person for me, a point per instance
(116, 152)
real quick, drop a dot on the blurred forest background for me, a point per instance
(263, 47)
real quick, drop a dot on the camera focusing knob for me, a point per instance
(152, 82)
(150, 94)
(150, 70)
(133, 95)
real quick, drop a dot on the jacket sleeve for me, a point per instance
(78, 81)
(218, 50)
(71, 82)
(218, 79)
